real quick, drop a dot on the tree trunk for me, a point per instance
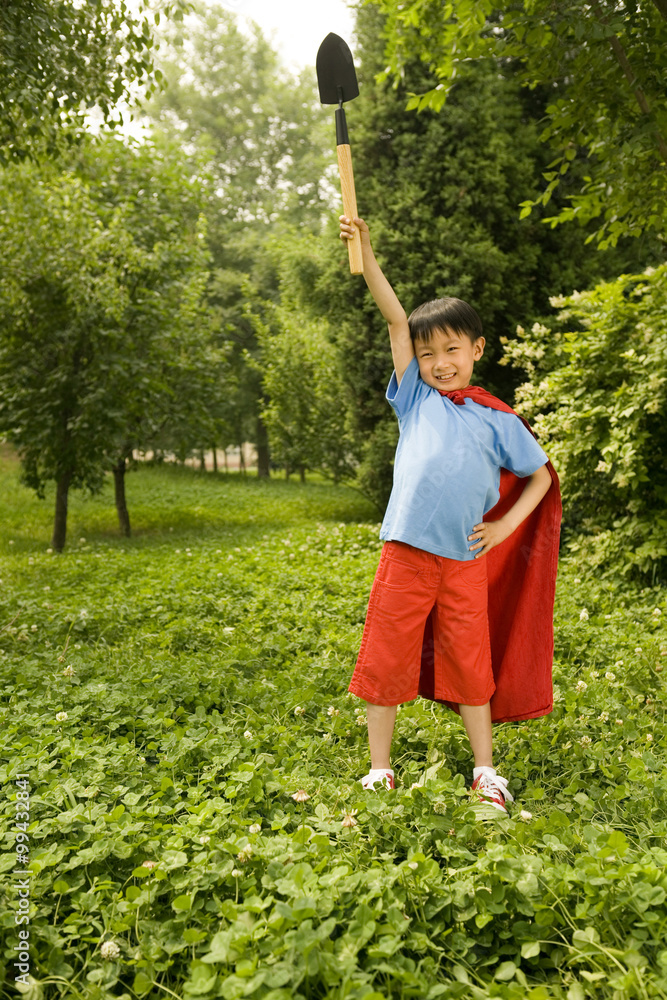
(302, 473)
(202, 460)
(215, 458)
(121, 505)
(60, 520)
(241, 460)
(226, 461)
(263, 468)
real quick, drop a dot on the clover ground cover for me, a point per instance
(168, 695)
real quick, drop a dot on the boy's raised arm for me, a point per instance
(385, 297)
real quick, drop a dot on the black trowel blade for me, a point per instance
(336, 77)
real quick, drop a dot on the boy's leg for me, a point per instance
(477, 720)
(381, 721)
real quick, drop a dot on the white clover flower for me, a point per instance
(657, 612)
(61, 717)
(236, 873)
(603, 467)
(649, 738)
(594, 674)
(301, 796)
(610, 675)
(205, 839)
(361, 720)
(68, 671)
(440, 808)
(142, 760)
(619, 663)
(299, 710)
(619, 722)
(229, 628)
(603, 717)
(525, 815)
(348, 818)
(583, 615)
(255, 828)
(638, 649)
(326, 736)
(248, 734)
(581, 686)
(109, 950)
(244, 854)
(586, 741)
(333, 711)
(33, 628)
(577, 579)
(149, 864)
(414, 865)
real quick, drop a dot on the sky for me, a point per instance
(296, 27)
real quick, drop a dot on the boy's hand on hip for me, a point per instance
(487, 535)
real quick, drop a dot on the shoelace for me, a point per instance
(490, 784)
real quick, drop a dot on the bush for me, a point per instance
(596, 394)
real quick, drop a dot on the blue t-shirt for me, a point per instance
(447, 467)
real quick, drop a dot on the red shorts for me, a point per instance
(409, 583)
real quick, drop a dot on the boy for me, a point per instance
(435, 625)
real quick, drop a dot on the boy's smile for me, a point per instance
(446, 360)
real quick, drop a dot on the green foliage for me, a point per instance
(210, 657)
(439, 192)
(603, 67)
(60, 59)
(226, 91)
(597, 395)
(304, 413)
(102, 330)
(260, 131)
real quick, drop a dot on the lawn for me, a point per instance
(165, 696)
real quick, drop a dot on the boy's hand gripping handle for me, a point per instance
(347, 189)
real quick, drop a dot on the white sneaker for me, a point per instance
(385, 776)
(492, 790)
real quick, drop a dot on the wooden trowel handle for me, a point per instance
(350, 206)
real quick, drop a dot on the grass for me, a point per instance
(210, 656)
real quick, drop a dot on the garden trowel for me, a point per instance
(338, 83)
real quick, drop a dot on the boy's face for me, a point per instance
(446, 360)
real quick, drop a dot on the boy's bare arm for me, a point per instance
(488, 534)
(385, 297)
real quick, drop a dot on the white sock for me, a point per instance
(485, 769)
(379, 771)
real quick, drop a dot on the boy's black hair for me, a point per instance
(444, 314)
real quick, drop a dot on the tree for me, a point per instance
(264, 134)
(596, 392)
(59, 60)
(439, 191)
(602, 67)
(101, 315)
(304, 412)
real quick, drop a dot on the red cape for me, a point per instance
(522, 585)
